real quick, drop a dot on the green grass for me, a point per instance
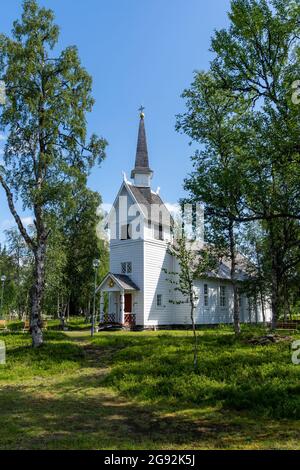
(57, 356)
(125, 390)
(231, 373)
(74, 324)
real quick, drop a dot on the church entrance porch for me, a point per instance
(119, 308)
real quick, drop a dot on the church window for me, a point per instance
(206, 295)
(129, 268)
(222, 296)
(159, 300)
(126, 232)
(158, 232)
(126, 267)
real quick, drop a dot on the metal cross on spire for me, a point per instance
(141, 110)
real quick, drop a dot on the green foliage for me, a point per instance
(22, 265)
(22, 362)
(243, 115)
(9, 288)
(80, 220)
(48, 152)
(232, 374)
(47, 101)
(66, 394)
(193, 262)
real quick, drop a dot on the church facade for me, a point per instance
(139, 293)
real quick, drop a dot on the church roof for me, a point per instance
(223, 268)
(146, 197)
(141, 159)
(223, 271)
(123, 281)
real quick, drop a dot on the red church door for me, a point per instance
(128, 317)
(128, 303)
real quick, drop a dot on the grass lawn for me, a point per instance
(126, 390)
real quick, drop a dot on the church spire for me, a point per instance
(142, 172)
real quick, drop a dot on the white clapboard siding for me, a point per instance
(213, 313)
(131, 251)
(149, 258)
(156, 260)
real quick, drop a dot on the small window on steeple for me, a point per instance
(126, 268)
(158, 232)
(126, 232)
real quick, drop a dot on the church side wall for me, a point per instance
(156, 260)
(214, 313)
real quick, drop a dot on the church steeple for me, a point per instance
(142, 173)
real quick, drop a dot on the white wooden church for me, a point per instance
(139, 293)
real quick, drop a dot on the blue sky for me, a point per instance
(138, 52)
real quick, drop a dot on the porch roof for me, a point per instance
(123, 281)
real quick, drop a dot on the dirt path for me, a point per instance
(95, 356)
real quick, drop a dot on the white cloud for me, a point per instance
(10, 223)
(2, 137)
(27, 221)
(106, 206)
(174, 209)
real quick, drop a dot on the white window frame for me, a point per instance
(159, 230)
(128, 267)
(126, 232)
(162, 301)
(123, 268)
(223, 296)
(206, 295)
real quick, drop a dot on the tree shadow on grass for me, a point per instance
(168, 405)
(44, 420)
(54, 357)
(259, 380)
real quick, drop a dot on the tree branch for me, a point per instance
(17, 218)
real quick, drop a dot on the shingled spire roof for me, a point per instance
(141, 159)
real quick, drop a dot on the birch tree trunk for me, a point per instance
(250, 311)
(194, 334)
(58, 306)
(255, 307)
(236, 309)
(274, 279)
(37, 294)
(262, 301)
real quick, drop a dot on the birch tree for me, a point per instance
(214, 119)
(44, 118)
(256, 65)
(193, 263)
